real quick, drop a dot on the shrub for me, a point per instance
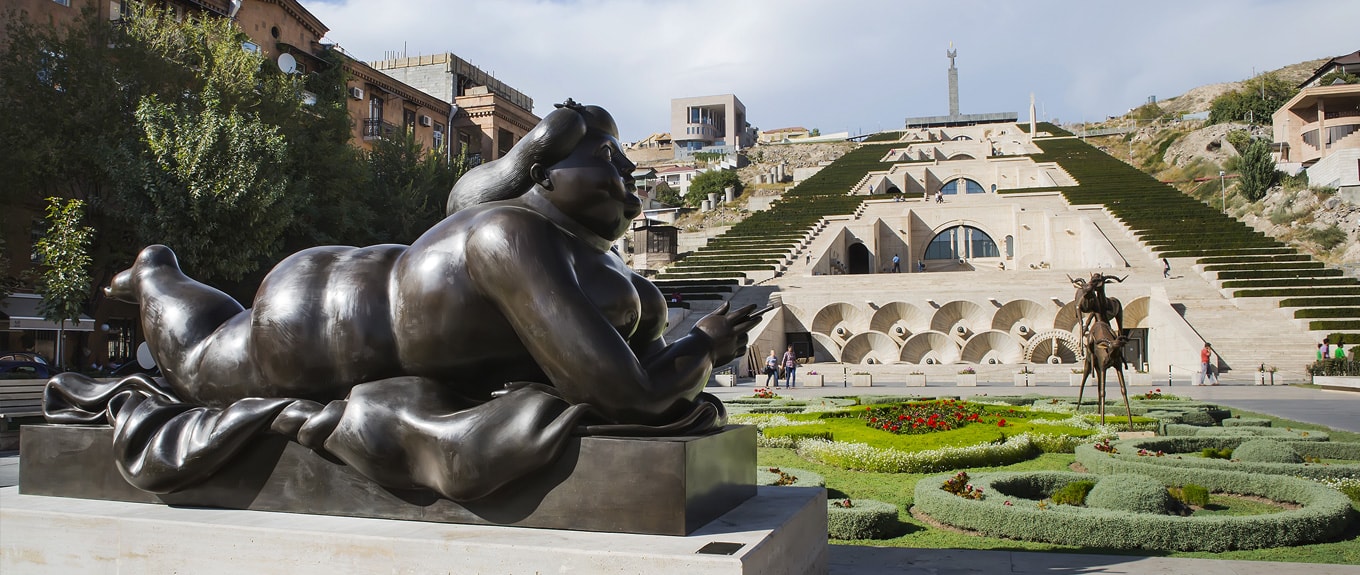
(863, 519)
(1212, 453)
(1130, 492)
(1246, 422)
(1266, 451)
(1073, 493)
(1191, 494)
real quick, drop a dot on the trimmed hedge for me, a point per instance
(867, 519)
(1265, 451)
(1226, 475)
(1176, 429)
(1324, 514)
(1246, 422)
(1130, 492)
(862, 457)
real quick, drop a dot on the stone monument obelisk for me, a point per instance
(953, 81)
(1032, 116)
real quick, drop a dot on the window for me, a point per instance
(504, 141)
(961, 242)
(66, 3)
(408, 119)
(438, 137)
(250, 47)
(969, 187)
(375, 108)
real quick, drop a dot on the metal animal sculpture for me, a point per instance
(1093, 304)
(1104, 351)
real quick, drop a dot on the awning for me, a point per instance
(19, 312)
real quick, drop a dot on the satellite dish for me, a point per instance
(144, 358)
(287, 63)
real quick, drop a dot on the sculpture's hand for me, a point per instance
(728, 331)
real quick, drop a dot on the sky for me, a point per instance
(857, 66)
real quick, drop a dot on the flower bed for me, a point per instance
(1181, 463)
(1015, 508)
(849, 519)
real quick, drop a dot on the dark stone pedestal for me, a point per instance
(656, 486)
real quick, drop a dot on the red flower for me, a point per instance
(1001, 423)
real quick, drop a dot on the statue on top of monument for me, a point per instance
(456, 364)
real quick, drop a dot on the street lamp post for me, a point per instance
(1223, 189)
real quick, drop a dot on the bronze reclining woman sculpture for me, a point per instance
(457, 364)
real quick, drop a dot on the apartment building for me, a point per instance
(487, 115)
(1318, 130)
(710, 124)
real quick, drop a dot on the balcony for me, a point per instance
(375, 128)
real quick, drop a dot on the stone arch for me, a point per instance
(969, 185)
(930, 345)
(993, 347)
(1023, 318)
(1055, 343)
(961, 156)
(870, 345)
(858, 258)
(1136, 312)
(961, 240)
(825, 349)
(960, 314)
(899, 320)
(839, 321)
(1068, 318)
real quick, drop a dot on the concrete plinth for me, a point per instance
(781, 530)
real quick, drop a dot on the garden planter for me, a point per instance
(862, 380)
(1024, 379)
(916, 380)
(725, 379)
(967, 380)
(1143, 379)
(810, 380)
(1074, 379)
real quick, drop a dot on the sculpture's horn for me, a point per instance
(1079, 282)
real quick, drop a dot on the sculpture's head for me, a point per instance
(574, 156)
(592, 184)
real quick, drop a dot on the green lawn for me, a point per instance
(899, 488)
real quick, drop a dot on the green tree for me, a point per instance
(665, 194)
(65, 282)
(1148, 111)
(814, 133)
(1338, 75)
(216, 180)
(1255, 101)
(713, 181)
(1257, 170)
(409, 187)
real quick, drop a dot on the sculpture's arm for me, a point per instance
(519, 262)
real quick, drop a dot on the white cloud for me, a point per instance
(853, 65)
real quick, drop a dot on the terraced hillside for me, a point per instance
(767, 239)
(1244, 262)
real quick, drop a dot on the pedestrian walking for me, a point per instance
(790, 368)
(897, 264)
(1207, 375)
(772, 369)
(1166, 269)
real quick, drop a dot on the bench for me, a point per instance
(20, 399)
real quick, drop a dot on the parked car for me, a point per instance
(18, 369)
(22, 356)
